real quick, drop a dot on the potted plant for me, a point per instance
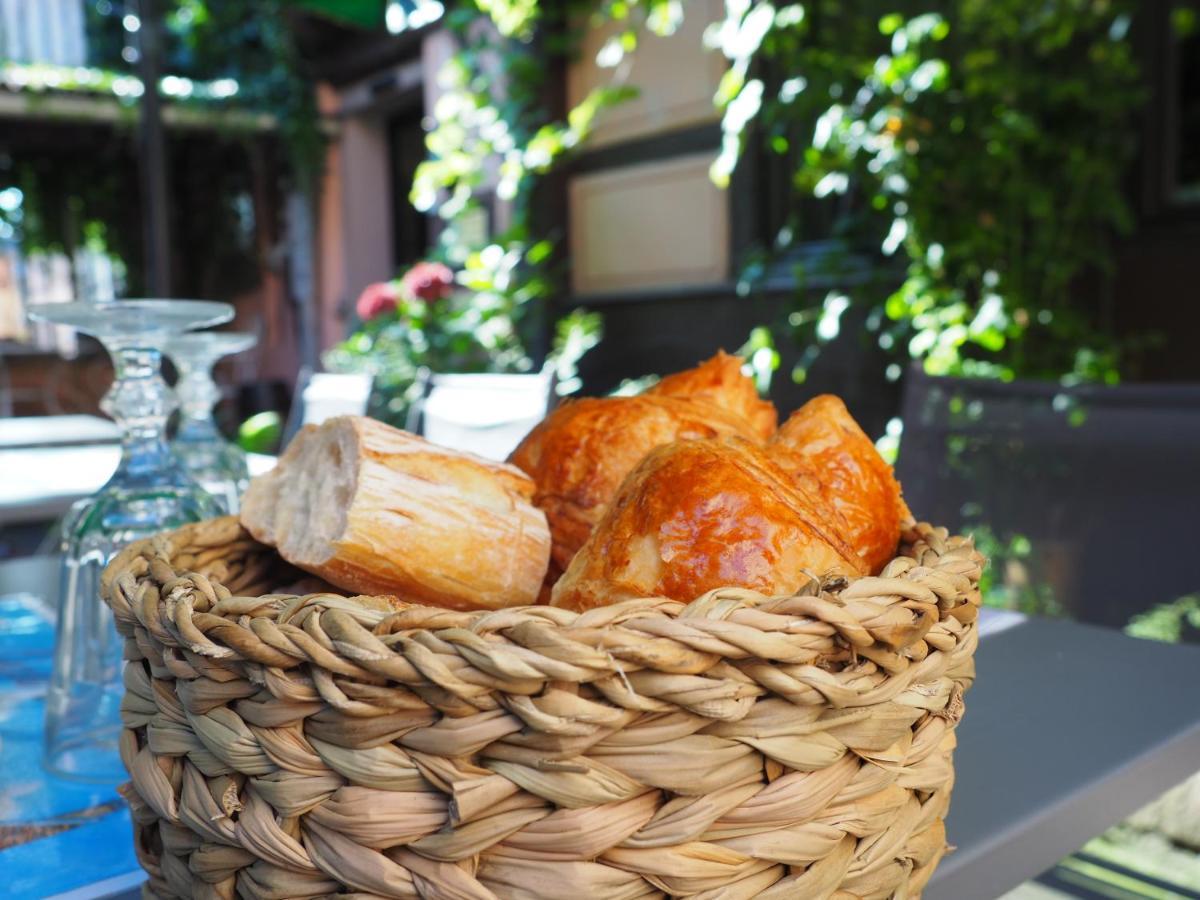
(425, 331)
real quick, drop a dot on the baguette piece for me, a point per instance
(376, 510)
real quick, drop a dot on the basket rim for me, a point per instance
(925, 600)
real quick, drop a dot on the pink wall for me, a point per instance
(354, 233)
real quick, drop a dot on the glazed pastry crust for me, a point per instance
(719, 381)
(579, 455)
(822, 447)
(702, 514)
(375, 510)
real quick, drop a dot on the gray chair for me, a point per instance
(1102, 482)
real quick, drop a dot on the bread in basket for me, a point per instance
(787, 733)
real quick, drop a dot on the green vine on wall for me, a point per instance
(970, 154)
(497, 136)
(980, 145)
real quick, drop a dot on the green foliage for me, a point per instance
(443, 331)
(72, 199)
(227, 64)
(472, 330)
(631, 387)
(980, 143)
(38, 78)
(1011, 579)
(971, 152)
(1168, 622)
(235, 56)
(59, 207)
(762, 359)
(249, 41)
(495, 139)
(574, 335)
(239, 53)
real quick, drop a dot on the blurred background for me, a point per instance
(977, 222)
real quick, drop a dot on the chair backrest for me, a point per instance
(1092, 491)
(486, 414)
(330, 394)
(323, 395)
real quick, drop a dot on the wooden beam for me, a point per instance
(64, 108)
(152, 155)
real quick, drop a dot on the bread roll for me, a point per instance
(376, 510)
(822, 447)
(719, 381)
(698, 515)
(582, 451)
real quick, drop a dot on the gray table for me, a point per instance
(1068, 729)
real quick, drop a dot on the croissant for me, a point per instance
(697, 515)
(376, 510)
(821, 447)
(720, 381)
(579, 455)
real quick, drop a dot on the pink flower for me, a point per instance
(428, 281)
(376, 300)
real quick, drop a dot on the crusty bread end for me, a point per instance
(376, 510)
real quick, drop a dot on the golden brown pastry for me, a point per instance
(582, 451)
(698, 515)
(720, 381)
(376, 510)
(822, 447)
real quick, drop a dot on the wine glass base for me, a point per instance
(32, 796)
(26, 636)
(91, 758)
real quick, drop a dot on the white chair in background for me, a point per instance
(330, 394)
(482, 413)
(323, 395)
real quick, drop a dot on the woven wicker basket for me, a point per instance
(286, 746)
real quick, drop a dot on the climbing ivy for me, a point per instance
(497, 136)
(976, 149)
(968, 153)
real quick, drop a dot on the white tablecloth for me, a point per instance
(40, 484)
(43, 431)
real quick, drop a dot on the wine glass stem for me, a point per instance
(198, 394)
(140, 402)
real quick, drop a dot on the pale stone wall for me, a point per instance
(660, 224)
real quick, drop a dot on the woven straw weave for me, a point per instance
(738, 746)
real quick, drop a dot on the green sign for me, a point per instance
(363, 13)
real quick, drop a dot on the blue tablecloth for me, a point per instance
(56, 836)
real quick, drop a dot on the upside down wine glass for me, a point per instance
(148, 493)
(218, 466)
